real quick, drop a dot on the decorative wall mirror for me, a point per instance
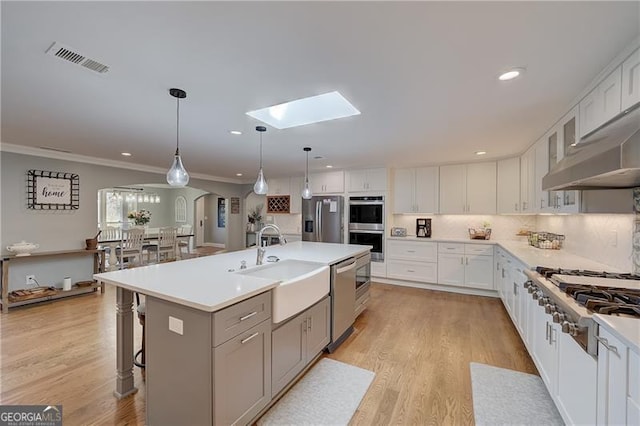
(181, 209)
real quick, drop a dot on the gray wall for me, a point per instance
(63, 230)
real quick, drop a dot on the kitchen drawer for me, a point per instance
(481, 249)
(412, 250)
(361, 303)
(414, 271)
(457, 248)
(240, 317)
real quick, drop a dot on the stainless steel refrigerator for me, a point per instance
(323, 219)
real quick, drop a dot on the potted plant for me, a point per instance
(254, 217)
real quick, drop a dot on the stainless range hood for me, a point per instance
(608, 157)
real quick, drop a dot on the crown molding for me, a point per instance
(39, 152)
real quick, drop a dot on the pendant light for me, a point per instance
(177, 174)
(260, 186)
(306, 191)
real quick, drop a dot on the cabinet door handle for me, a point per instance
(311, 320)
(502, 272)
(551, 339)
(411, 251)
(524, 205)
(410, 270)
(243, 341)
(467, 260)
(246, 317)
(542, 203)
(462, 261)
(546, 336)
(606, 344)
(515, 288)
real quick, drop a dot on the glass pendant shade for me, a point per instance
(306, 191)
(261, 187)
(177, 174)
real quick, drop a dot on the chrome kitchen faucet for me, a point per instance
(261, 250)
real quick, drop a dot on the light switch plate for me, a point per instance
(175, 325)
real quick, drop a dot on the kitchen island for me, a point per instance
(203, 287)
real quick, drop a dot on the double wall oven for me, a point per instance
(366, 224)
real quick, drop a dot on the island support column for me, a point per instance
(124, 343)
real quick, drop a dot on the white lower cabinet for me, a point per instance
(412, 260)
(545, 348)
(467, 265)
(618, 382)
(577, 375)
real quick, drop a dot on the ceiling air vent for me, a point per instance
(72, 55)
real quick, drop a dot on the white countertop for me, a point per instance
(624, 328)
(205, 283)
(528, 255)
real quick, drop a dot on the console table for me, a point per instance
(7, 260)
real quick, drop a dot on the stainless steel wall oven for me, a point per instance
(366, 224)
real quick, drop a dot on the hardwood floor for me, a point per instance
(419, 343)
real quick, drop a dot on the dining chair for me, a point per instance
(166, 244)
(106, 240)
(131, 247)
(184, 241)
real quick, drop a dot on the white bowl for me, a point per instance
(22, 248)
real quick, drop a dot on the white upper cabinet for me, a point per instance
(296, 184)
(415, 190)
(453, 188)
(631, 80)
(541, 164)
(568, 134)
(469, 188)
(602, 103)
(509, 185)
(278, 186)
(527, 181)
(367, 180)
(327, 183)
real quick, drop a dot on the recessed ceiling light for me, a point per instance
(314, 109)
(329, 166)
(481, 152)
(511, 74)
(238, 174)
(126, 154)
(235, 132)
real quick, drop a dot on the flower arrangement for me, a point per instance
(140, 217)
(255, 215)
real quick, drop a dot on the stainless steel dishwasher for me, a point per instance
(343, 299)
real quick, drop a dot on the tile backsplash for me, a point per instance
(606, 238)
(456, 226)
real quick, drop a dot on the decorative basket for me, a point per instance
(546, 240)
(480, 233)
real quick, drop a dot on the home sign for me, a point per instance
(52, 190)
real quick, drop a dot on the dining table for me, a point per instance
(113, 243)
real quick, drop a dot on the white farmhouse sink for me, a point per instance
(301, 285)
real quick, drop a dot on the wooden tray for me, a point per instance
(85, 283)
(31, 293)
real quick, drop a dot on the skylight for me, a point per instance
(314, 109)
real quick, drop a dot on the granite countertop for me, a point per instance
(625, 329)
(528, 255)
(210, 283)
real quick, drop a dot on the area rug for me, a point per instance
(329, 394)
(507, 397)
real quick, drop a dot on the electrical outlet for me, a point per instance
(31, 280)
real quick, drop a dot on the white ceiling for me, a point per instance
(423, 74)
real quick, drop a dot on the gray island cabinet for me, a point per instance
(208, 368)
(298, 341)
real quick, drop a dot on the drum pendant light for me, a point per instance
(260, 186)
(177, 174)
(306, 191)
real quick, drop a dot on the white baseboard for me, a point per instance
(218, 245)
(438, 287)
